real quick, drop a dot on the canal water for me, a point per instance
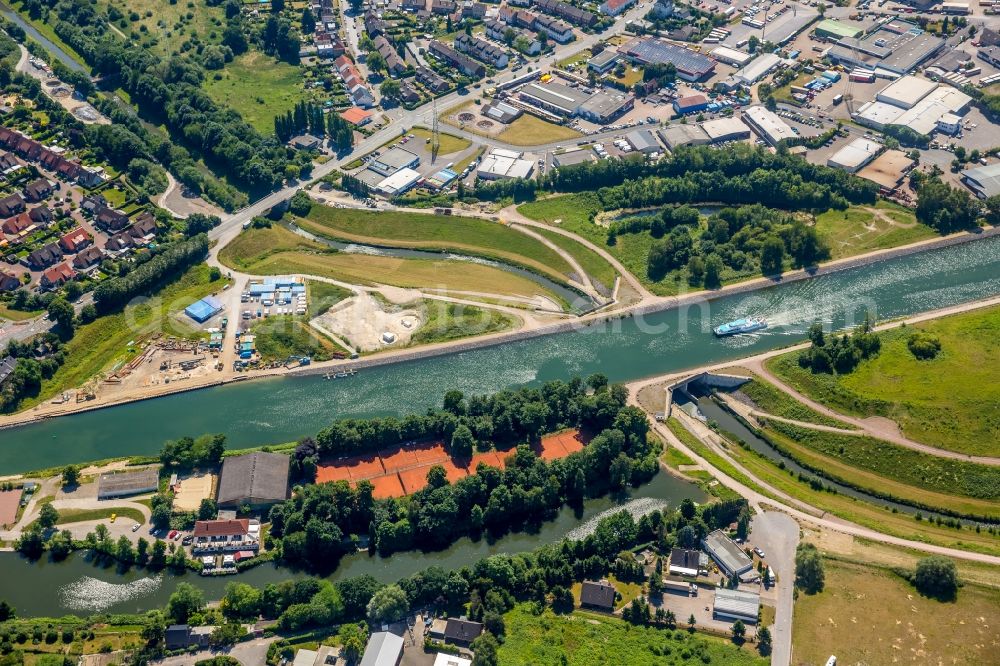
(283, 409)
(78, 586)
(46, 43)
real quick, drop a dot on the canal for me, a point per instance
(283, 409)
(78, 586)
(45, 42)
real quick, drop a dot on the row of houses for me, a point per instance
(354, 82)
(51, 159)
(459, 61)
(327, 41)
(393, 62)
(555, 28)
(482, 50)
(528, 40)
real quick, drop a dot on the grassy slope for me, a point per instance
(449, 142)
(67, 516)
(98, 345)
(415, 230)
(448, 321)
(531, 131)
(951, 402)
(595, 266)
(585, 639)
(322, 296)
(278, 251)
(888, 621)
(17, 315)
(170, 24)
(858, 229)
(774, 401)
(257, 86)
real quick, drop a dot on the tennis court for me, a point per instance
(9, 500)
(387, 486)
(397, 458)
(351, 469)
(561, 444)
(491, 458)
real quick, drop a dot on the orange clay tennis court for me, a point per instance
(399, 471)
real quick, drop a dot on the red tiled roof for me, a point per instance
(203, 528)
(356, 115)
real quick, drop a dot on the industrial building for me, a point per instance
(643, 141)
(606, 105)
(854, 155)
(502, 112)
(757, 69)
(897, 47)
(398, 183)
(834, 29)
(555, 97)
(691, 66)
(930, 112)
(906, 91)
(445, 659)
(690, 104)
(676, 136)
(383, 649)
(501, 164)
(767, 124)
(722, 130)
(393, 160)
(122, 484)
(736, 605)
(203, 310)
(888, 169)
(733, 57)
(984, 181)
(572, 157)
(727, 554)
(257, 479)
(603, 62)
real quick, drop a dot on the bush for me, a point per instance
(936, 576)
(923, 346)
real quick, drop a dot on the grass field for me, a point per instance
(591, 262)
(912, 476)
(468, 235)
(450, 321)
(17, 315)
(322, 296)
(774, 401)
(586, 639)
(529, 130)
(862, 229)
(98, 345)
(281, 337)
(951, 402)
(449, 142)
(279, 251)
(164, 25)
(258, 86)
(888, 622)
(67, 516)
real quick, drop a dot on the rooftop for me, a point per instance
(737, 602)
(984, 181)
(126, 483)
(854, 155)
(254, 477)
(383, 649)
(906, 91)
(598, 593)
(723, 549)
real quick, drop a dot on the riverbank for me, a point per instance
(587, 322)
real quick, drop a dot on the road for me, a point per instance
(778, 535)
(248, 653)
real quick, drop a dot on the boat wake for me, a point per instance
(637, 508)
(92, 594)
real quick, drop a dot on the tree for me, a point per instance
(228, 634)
(713, 271)
(70, 476)
(208, 509)
(390, 89)
(809, 574)
(936, 576)
(353, 638)
(48, 516)
(388, 605)
(241, 602)
(772, 256)
(991, 210)
(739, 631)
(943, 207)
(62, 313)
(6, 611)
(692, 622)
(485, 648)
(158, 557)
(185, 602)
(462, 442)
(764, 641)
(308, 22)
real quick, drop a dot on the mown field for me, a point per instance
(861, 229)
(951, 402)
(529, 130)
(284, 336)
(869, 615)
(449, 142)
(437, 232)
(872, 464)
(591, 262)
(258, 87)
(586, 639)
(450, 321)
(109, 340)
(278, 251)
(67, 516)
(773, 400)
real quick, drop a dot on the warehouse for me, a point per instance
(854, 155)
(767, 124)
(877, 114)
(736, 605)
(725, 129)
(573, 156)
(906, 91)
(603, 62)
(833, 29)
(984, 181)
(730, 557)
(393, 160)
(676, 136)
(643, 141)
(399, 182)
(256, 479)
(690, 104)
(691, 66)
(730, 56)
(203, 310)
(554, 97)
(888, 169)
(122, 484)
(606, 106)
(896, 48)
(503, 164)
(757, 69)
(923, 118)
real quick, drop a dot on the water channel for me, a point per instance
(77, 585)
(45, 42)
(283, 409)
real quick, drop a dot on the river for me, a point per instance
(46, 43)
(76, 585)
(283, 409)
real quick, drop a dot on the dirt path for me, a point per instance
(878, 427)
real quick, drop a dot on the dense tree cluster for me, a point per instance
(173, 260)
(37, 359)
(943, 207)
(809, 574)
(188, 453)
(840, 353)
(937, 576)
(309, 117)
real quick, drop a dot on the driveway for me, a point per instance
(248, 653)
(778, 535)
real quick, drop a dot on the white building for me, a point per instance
(906, 91)
(500, 164)
(725, 129)
(443, 659)
(733, 57)
(854, 155)
(399, 182)
(768, 125)
(736, 605)
(383, 649)
(757, 69)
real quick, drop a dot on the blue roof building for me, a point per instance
(203, 310)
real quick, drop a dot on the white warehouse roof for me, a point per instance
(854, 155)
(768, 124)
(398, 182)
(758, 68)
(725, 129)
(924, 115)
(731, 56)
(906, 91)
(878, 114)
(737, 604)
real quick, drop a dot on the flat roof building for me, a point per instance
(574, 156)
(444, 659)
(606, 105)
(256, 479)
(727, 554)
(924, 116)
(643, 141)
(768, 125)
(906, 91)
(834, 29)
(896, 47)
(888, 169)
(854, 155)
(393, 160)
(691, 66)
(603, 61)
(725, 129)
(203, 310)
(984, 181)
(383, 649)
(555, 97)
(499, 165)
(757, 69)
(398, 182)
(122, 484)
(736, 605)
(733, 57)
(676, 136)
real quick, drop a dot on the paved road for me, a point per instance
(778, 534)
(248, 653)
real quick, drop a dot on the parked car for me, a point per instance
(135, 528)
(172, 534)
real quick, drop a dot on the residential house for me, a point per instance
(44, 257)
(524, 40)
(57, 275)
(7, 367)
(443, 7)
(460, 631)
(110, 220)
(374, 26)
(407, 94)
(90, 177)
(558, 30)
(38, 190)
(87, 258)
(464, 64)
(144, 228)
(480, 49)
(599, 595)
(181, 636)
(41, 215)
(119, 243)
(92, 203)
(523, 19)
(75, 240)
(223, 536)
(685, 562)
(8, 162)
(15, 226)
(414, 5)
(8, 281)
(354, 82)
(11, 205)
(473, 10)
(393, 62)
(305, 142)
(28, 148)
(615, 7)
(433, 81)
(564, 10)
